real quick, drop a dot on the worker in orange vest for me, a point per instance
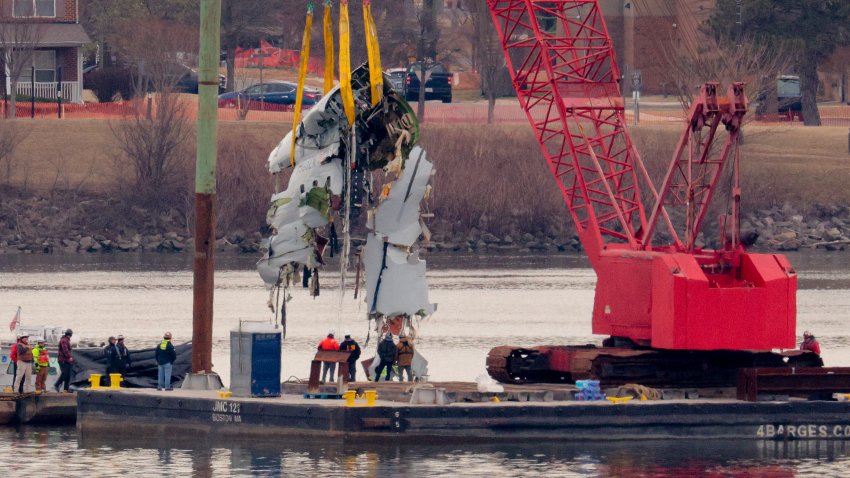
(810, 343)
(329, 344)
(42, 365)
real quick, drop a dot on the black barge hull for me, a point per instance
(207, 415)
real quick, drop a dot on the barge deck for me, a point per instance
(206, 413)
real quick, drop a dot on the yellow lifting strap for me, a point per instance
(302, 74)
(345, 63)
(376, 76)
(329, 48)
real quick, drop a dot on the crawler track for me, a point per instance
(619, 365)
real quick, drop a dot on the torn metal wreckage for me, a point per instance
(327, 190)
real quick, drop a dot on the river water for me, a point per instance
(483, 301)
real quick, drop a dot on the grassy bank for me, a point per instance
(490, 178)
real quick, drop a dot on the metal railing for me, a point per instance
(71, 90)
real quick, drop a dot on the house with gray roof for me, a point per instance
(56, 38)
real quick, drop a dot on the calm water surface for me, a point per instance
(483, 301)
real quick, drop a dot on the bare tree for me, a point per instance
(246, 21)
(725, 61)
(18, 41)
(11, 136)
(155, 147)
(155, 152)
(427, 40)
(487, 55)
(156, 49)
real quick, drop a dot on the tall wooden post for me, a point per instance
(204, 264)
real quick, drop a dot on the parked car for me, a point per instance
(276, 93)
(438, 83)
(184, 78)
(397, 77)
(187, 80)
(789, 99)
(790, 96)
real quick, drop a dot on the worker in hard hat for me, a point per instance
(13, 356)
(66, 361)
(329, 344)
(353, 348)
(810, 343)
(42, 365)
(165, 357)
(112, 361)
(387, 353)
(404, 358)
(24, 360)
(123, 353)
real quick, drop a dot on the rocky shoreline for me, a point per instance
(40, 226)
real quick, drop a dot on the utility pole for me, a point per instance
(202, 376)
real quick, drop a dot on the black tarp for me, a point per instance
(142, 373)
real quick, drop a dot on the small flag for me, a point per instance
(16, 320)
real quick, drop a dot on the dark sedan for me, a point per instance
(276, 93)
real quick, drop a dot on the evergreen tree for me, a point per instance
(812, 28)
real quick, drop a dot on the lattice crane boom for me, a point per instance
(562, 63)
(670, 294)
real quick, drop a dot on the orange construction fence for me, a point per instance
(435, 112)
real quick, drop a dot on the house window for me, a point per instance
(35, 8)
(44, 62)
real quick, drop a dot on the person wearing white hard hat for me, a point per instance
(165, 357)
(24, 369)
(810, 343)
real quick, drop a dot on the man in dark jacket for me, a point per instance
(165, 357)
(123, 355)
(387, 354)
(111, 354)
(349, 345)
(66, 361)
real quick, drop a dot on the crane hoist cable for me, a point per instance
(302, 74)
(329, 47)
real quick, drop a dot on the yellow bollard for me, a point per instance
(94, 379)
(226, 394)
(370, 396)
(349, 397)
(618, 400)
(115, 380)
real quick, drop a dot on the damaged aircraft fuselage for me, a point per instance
(329, 186)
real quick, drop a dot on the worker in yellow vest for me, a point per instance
(42, 365)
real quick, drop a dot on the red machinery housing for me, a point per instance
(656, 286)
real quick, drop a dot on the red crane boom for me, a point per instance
(656, 287)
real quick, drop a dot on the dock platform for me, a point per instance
(32, 408)
(201, 413)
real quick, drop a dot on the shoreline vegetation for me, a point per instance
(69, 188)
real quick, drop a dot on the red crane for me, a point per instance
(659, 296)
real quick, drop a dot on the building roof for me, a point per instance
(63, 35)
